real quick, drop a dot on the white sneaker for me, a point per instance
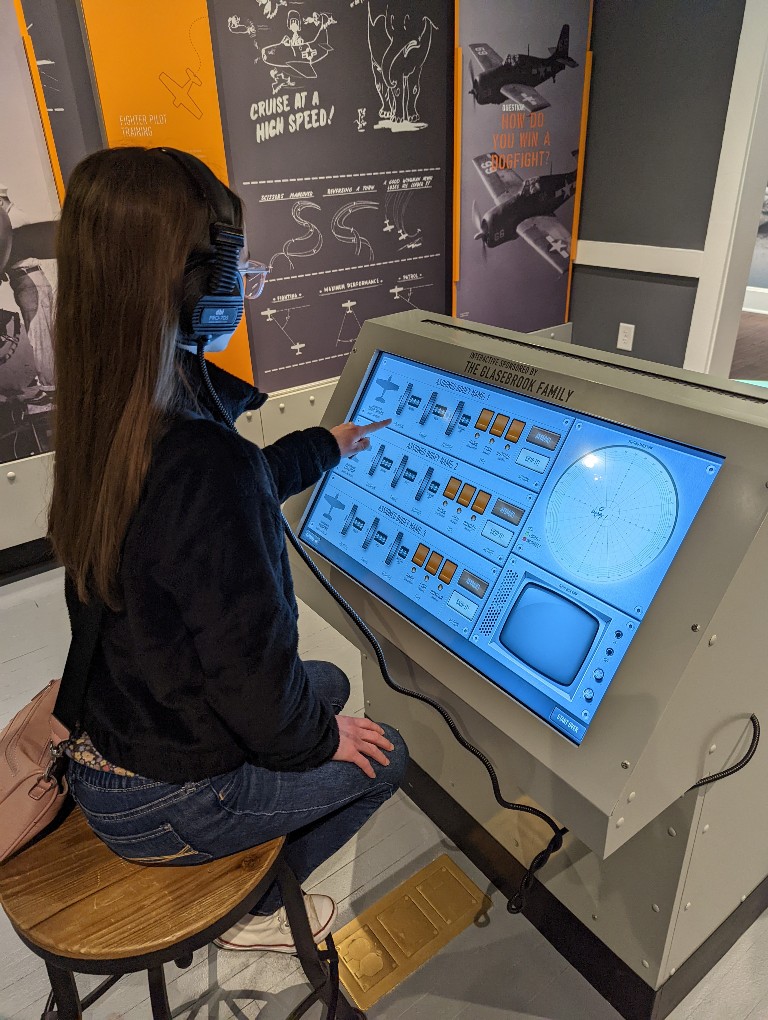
(273, 933)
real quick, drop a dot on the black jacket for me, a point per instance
(199, 672)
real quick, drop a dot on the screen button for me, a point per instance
(567, 724)
(497, 534)
(540, 437)
(484, 419)
(514, 431)
(598, 675)
(507, 511)
(481, 502)
(533, 461)
(433, 563)
(466, 494)
(421, 554)
(446, 574)
(473, 584)
(500, 423)
(463, 606)
(451, 488)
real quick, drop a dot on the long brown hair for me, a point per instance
(130, 221)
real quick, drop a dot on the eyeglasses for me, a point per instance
(254, 276)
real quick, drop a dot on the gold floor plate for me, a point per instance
(397, 935)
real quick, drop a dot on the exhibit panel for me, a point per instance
(337, 130)
(524, 70)
(563, 549)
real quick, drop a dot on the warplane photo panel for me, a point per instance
(522, 85)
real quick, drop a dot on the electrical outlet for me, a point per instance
(626, 336)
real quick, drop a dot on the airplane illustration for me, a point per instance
(525, 208)
(397, 290)
(349, 305)
(269, 314)
(388, 226)
(513, 79)
(386, 386)
(181, 93)
(335, 504)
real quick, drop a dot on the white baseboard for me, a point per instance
(756, 300)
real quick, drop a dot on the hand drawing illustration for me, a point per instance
(399, 43)
(280, 81)
(405, 293)
(305, 245)
(271, 7)
(350, 324)
(297, 53)
(281, 317)
(394, 219)
(349, 235)
(182, 91)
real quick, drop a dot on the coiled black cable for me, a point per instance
(750, 754)
(517, 903)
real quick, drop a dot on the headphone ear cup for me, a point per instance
(196, 283)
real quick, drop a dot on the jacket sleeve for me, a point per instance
(300, 459)
(226, 566)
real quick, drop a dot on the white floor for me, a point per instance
(503, 970)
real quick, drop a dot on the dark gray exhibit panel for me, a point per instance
(613, 510)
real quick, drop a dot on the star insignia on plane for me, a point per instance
(557, 244)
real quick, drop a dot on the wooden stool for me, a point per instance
(84, 910)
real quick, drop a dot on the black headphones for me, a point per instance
(213, 288)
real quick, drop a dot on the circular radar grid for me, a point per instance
(611, 513)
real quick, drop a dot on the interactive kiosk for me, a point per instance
(567, 549)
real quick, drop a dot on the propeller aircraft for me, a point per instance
(513, 79)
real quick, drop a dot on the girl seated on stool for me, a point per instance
(204, 733)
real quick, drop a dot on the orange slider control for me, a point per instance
(501, 422)
(484, 420)
(433, 563)
(446, 574)
(466, 494)
(452, 488)
(481, 502)
(420, 555)
(514, 431)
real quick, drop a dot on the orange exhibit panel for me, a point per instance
(153, 66)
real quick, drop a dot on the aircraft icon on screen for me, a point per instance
(180, 93)
(335, 504)
(386, 386)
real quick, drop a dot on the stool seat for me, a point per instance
(71, 896)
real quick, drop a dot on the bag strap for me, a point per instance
(74, 681)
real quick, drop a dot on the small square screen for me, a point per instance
(549, 633)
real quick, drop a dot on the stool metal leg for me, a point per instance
(68, 1006)
(323, 981)
(158, 994)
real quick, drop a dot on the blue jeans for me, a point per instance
(190, 823)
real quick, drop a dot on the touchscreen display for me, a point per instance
(526, 538)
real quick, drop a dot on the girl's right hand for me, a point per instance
(361, 739)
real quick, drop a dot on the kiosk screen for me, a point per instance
(526, 538)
